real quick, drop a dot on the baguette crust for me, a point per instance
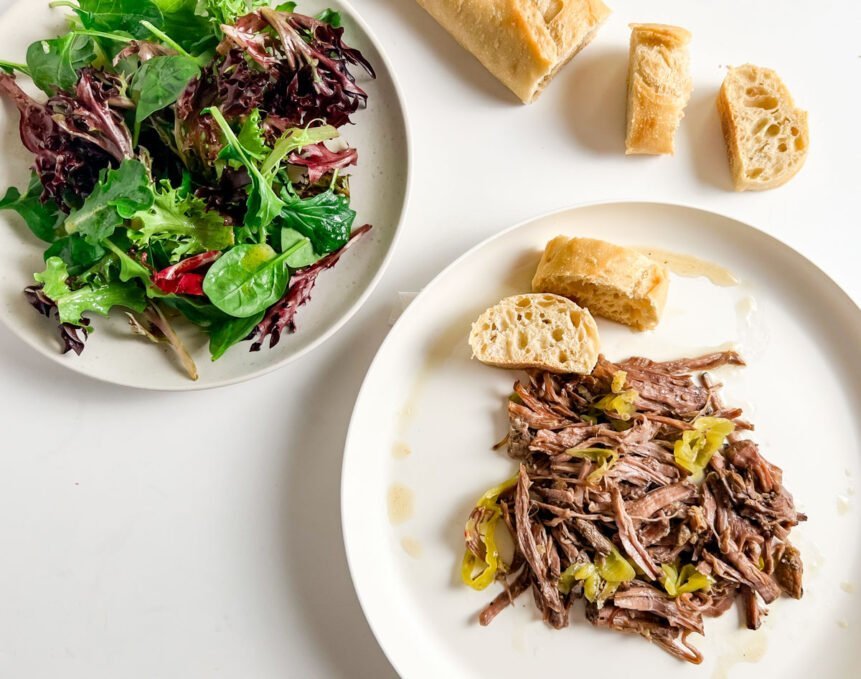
(611, 281)
(659, 87)
(766, 135)
(547, 332)
(521, 42)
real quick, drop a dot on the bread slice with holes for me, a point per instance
(611, 281)
(766, 134)
(541, 331)
(659, 87)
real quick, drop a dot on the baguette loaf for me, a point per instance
(521, 42)
(766, 135)
(611, 281)
(536, 331)
(659, 86)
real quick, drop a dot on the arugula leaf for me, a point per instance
(44, 219)
(251, 136)
(71, 305)
(130, 268)
(54, 64)
(158, 84)
(263, 203)
(294, 139)
(180, 216)
(326, 219)
(304, 256)
(119, 195)
(75, 252)
(224, 335)
(116, 15)
(247, 279)
(286, 7)
(329, 16)
(228, 11)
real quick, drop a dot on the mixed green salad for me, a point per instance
(188, 162)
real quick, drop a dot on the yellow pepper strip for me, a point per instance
(615, 568)
(601, 579)
(688, 580)
(619, 406)
(485, 528)
(695, 448)
(618, 385)
(604, 457)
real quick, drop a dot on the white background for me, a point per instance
(198, 535)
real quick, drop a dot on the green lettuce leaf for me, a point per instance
(72, 304)
(182, 218)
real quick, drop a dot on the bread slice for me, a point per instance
(536, 331)
(523, 43)
(611, 281)
(659, 86)
(766, 135)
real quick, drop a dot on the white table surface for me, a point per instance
(198, 534)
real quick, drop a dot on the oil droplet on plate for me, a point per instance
(848, 587)
(400, 503)
(744, 646)
(401, 450)
(690, 266)
(842, 624)
(843, 505)
(412, 547)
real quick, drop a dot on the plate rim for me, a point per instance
(347, 458)
(57, 357)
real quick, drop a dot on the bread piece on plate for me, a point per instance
(611, 281)
(521, 42)
(659, 86)
(766, 134)
(536, 331)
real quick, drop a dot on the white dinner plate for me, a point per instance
(379, 188)
(427, 416)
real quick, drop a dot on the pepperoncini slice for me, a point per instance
(481, 527)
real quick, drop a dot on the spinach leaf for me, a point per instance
(158, 84)
(71, 305)
(44, 219)
(119, 195)
(75, 252)
(263, 203)
(330, 16)
(196, 310)
(247, 279)
(116, 15)
(304, 256)
(54, 64)
(226, 334)
(325, 218)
